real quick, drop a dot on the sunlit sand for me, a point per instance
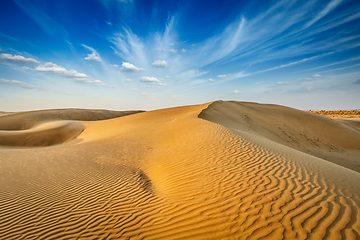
(221, 170)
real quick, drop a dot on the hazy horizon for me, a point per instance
(129, 54)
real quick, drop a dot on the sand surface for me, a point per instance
(222, 170)
(338, 113)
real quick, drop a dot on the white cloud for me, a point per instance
(72, 74)
(129, 80)
(222, 76)
(89, 81)
(160, 63)
(152, 80)
(17, 59)
(212, 80)
(50, 67)
(287, 83)
(236, 91)
(171, 44)
(93, 57)
(63, 72)
(183, 50)
(115, 65)
(19, 84)
(149, 79)
(166, 50)
(128, 67)
(316, 75)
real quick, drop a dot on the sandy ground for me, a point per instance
(338, 113)
(222, 170)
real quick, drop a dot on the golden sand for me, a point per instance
(338, 113)
(222, 170)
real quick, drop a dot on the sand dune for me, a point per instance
(331, 139)
(27, 120)
(211, 171)
(45, 135)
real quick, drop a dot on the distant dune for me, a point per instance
(221, 170)
(52, 132)
(338, 113)
(27, 120)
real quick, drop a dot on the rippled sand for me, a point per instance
(222, 170)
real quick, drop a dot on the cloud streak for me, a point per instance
(63, 72)
(151, 80)
(35, 11)
(289, 32)
(19, 84)
(17, 59)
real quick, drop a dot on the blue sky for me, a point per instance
(129, 54)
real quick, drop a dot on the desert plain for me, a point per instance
(220, 170)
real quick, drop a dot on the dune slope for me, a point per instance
(45, 135)
(49, 127)
(27, 120)
(168, 174)
(334, 140)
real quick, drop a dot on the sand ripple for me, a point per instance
(168, 174)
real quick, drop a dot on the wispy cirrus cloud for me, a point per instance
(36, 11)
(19, 84)
(329, 7)
(129, 47)
(335, 63)
(166, 50)
(289, 33)
(299, 81)
(8, 37)
(25, 85)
